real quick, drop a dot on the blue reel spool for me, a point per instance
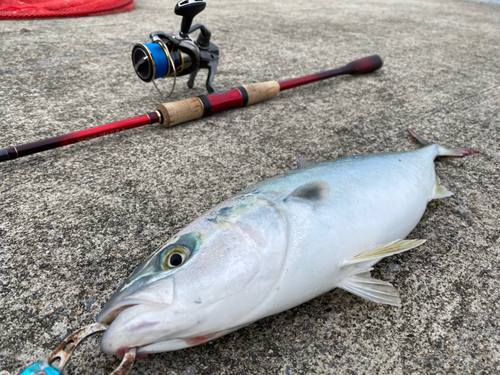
(150, 61)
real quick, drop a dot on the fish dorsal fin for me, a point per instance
(381, 251)
(314, 191)
(378, 291)
(305, 163)
(440, 191)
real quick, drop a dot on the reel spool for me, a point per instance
(174, 55)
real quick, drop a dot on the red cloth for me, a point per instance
(17, 9)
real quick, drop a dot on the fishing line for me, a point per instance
(167, 52)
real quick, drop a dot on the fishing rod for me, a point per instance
(174, 113)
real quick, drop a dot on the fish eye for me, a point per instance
(175, 257)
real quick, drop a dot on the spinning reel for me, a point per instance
(173, 55)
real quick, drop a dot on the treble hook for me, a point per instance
(66, 348)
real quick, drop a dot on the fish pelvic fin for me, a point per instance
(379, 252)
(357, 270)
(378, 291)
(440, 191)
(443, 151)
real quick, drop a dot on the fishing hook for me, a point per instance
(55, 363)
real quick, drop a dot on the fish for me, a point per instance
(274, 246)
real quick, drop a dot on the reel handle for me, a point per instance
(188, 9)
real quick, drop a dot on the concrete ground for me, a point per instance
(75, 221)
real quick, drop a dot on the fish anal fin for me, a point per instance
(314, 191)
(305, 163)
(377, 291)
(381, 251)
(440, 191)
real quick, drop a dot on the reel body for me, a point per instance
(174, 55)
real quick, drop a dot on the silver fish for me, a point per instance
(274, 246)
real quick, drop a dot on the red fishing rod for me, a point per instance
(170, 114)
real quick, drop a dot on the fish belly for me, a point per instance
(374, 199)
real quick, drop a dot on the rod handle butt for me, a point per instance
(365, 65)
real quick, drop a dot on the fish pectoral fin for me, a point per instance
(381, 251)
(314, 191)
(377, 291)
(440, 191)
(305, 163)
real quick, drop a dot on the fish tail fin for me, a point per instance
(443, 151)
(358, 281)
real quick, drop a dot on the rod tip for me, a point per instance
(4, 155)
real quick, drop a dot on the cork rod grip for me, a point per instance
(258, 92)
(194, 108)
(181, 111)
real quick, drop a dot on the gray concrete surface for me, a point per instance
(74, 222)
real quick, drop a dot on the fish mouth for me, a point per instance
(112, 317)
(159, 293)
(108, 315)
